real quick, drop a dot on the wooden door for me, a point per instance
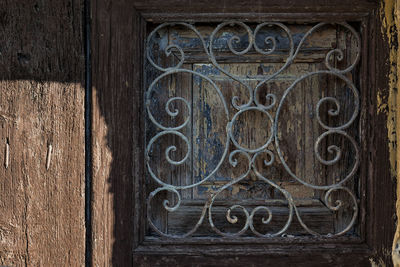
(247, 142)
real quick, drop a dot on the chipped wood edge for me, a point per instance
(390, 12)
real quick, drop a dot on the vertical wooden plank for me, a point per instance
(382, 181)
(176, 85)
(209, 131)
(117, 45)
(337, 88)
(41, 105)
(157, 102)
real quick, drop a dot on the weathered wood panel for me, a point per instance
(178, 9)
(304, 259)
(381, 179)
(105, 14)
(117, 123)
(298, 128)
(41, 106)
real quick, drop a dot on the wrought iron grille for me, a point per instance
(263, 40)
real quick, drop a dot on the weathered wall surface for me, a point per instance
(41, 109)
(390, 15)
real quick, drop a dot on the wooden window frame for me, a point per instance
(378, 229)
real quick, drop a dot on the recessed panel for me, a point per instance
(252, 130)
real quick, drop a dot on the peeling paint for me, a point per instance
(396, 253)
(380, 263)
(382, 106)
(390, 20)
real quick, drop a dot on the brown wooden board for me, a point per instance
(381, 183)
(41, 106)
(117, 129)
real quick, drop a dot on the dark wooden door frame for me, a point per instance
(88, 133)
(118, 30)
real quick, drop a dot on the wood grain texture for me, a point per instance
(277, 260)
(117, 124)
(41, 105)
(257, 6)
(381, 180)
(298, 128)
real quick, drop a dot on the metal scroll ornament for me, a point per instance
(253, 104)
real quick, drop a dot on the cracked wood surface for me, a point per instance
(41, 108)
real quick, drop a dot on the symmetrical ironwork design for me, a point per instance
(253, 104)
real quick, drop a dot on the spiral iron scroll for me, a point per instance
(253, 104)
